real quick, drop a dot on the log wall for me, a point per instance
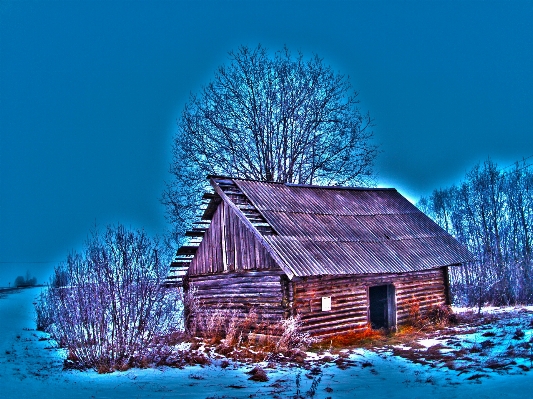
(241, 291)
(233, 270)
(350, 302)
(228, 246)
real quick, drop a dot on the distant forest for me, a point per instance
(27, 281)
(491, 212)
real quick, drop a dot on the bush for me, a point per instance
(107, 305)
(27, 281)
(291, 336)
(441, 315)
(414, 317)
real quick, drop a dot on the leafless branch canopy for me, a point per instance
(282, 119)
(272, 118)
(491, 212)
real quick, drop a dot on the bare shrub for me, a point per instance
(108, 306)
(212, 324)
(414, 316)
(239, 328)
(291, 336)
(244, 334)
(441, 315)
(45, 309)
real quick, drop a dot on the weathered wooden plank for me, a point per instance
(422, 305)
(255, 274)
(244, 285)
(241, 292)
(330, 331)
(350, 298)
(235, 293)
(347, 313)
(257, 237)
(318, 323)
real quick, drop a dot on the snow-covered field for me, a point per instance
(471, 364)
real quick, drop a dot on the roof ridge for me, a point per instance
(340, 187)
(355, 188)
(415, 211)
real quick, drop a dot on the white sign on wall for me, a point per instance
(326, 303)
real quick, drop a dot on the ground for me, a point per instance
(485, 357)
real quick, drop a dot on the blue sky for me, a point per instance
(90, 93)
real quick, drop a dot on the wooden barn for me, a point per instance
(340, 257)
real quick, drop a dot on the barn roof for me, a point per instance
(317, 230)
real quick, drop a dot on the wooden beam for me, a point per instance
(186, 250)
(256, 208)
(195, 233)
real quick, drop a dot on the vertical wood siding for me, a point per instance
(229, 245)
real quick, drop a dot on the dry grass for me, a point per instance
(257, 374)
(355, 338)
(369, 338)
(243, 336)
(417, 327)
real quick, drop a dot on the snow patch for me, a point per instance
(32, 366)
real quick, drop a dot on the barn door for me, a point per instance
(382, 306)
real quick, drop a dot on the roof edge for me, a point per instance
(353, 188)
(340, 187)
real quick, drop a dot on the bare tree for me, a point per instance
(108, 306)
(271, 118)
(491, 212)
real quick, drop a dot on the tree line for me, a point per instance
(27, 281)
(491, 212)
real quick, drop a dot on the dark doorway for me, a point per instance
(382, 306)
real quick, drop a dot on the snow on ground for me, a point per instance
(31, 368)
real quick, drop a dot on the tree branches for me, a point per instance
(272, 118)
(491, 212)
(107, 305)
